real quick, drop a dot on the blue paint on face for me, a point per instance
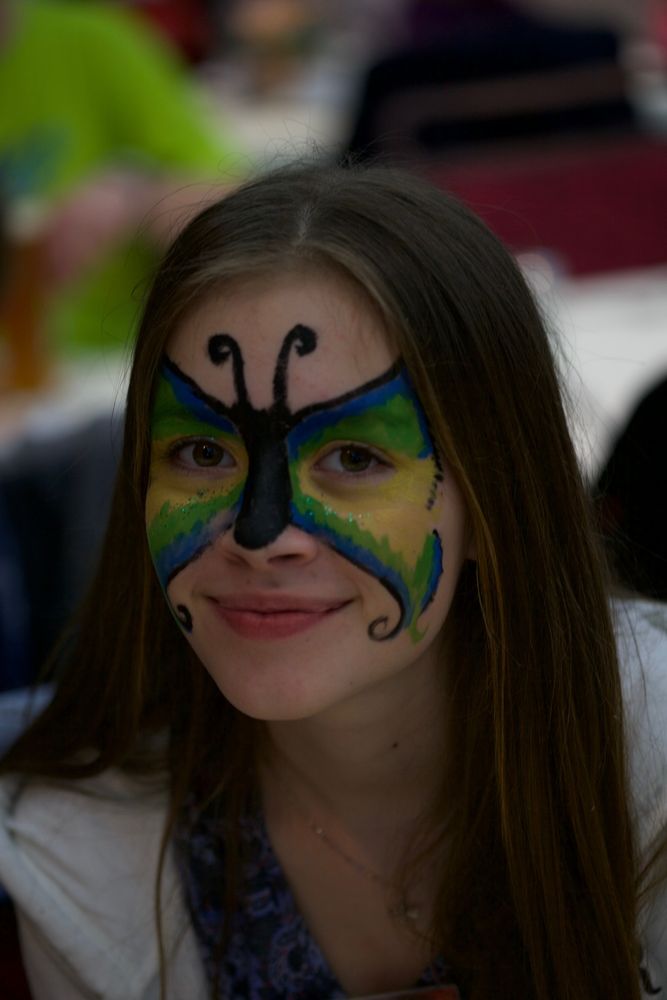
(377, 399)
(191, 399)
(186, 547)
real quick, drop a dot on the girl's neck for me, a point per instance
(380, 756)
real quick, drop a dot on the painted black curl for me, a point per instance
(184, 617)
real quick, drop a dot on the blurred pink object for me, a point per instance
(658, 27)
(599, 205)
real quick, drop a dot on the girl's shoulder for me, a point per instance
(641, 635)
(80, 861)
(641, 631)
(641, 628)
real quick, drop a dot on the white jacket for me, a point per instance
(80, 860)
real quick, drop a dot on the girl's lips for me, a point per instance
(273, 621)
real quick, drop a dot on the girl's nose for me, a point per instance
(290, 546)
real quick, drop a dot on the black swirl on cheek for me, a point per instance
(377, 630)
(184, 617)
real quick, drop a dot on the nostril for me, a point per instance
(254, 544)
(289, 556)
(252, 532)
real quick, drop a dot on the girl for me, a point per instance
(346, 713)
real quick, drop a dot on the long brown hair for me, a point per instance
(537, 892)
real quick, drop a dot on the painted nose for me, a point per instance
(264, 511)
(290, 546)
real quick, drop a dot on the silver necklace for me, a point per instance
(402, 910)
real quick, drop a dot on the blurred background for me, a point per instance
(119, 120)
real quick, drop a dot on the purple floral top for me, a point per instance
(270, 953)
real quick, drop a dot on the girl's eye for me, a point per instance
(351, 459)
(202, 454)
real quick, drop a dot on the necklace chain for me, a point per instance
(401, 910)
(352, 862)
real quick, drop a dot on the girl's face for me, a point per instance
(303, 527)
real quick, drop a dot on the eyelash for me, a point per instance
(378, 463)
(175, 456)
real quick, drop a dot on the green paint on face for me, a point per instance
(174, 528)
(409, 581)
(386, 526)
(172, 418)
(184, 512)
(393, 426)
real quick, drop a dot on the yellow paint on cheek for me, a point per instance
(161, 497)
(169, 485)
(394, 510)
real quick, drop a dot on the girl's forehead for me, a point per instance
(259, 314)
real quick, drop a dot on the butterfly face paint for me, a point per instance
(345, 470)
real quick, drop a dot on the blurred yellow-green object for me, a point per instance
(86, 87)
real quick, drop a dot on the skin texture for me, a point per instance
(292, 462)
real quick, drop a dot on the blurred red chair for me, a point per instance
(597, 205)
(531, 124)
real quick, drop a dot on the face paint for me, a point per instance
(365, 521)
(278, 475)
(185, 513)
